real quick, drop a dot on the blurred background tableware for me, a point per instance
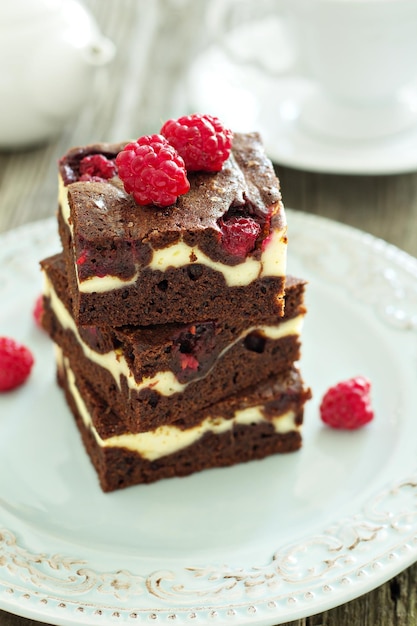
(51, 57)
(324, 76)
(361, 56)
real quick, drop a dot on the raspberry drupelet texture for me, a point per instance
(96, 167)
(347, 405)
(152, 171)
(202, 141)
(16, 361)
(238, 235)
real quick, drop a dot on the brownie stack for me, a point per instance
(176, 333)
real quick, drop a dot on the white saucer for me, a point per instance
(247, 101)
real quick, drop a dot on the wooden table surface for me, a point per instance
(143, 80)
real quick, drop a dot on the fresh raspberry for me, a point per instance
(202, 141)
(96, 167)
(238, 235)
(38, 311)
(347, 405)
(15, 363)
(152, 171)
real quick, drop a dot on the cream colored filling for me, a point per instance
(63, 202)
(271, 263)
(164, 382)
(166, 440)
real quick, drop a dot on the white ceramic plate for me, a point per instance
(260, 543)
(274, 106)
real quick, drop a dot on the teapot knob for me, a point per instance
(100, 52)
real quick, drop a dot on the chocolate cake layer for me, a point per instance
(219, 251)
(245, 428)
(167, 374)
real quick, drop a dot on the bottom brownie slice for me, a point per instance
(265, 420)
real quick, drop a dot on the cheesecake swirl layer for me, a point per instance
(166, 440)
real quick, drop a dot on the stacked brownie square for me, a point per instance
(177, 331)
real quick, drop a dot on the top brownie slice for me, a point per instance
(134, 264)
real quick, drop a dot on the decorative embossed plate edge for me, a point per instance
(315, 571)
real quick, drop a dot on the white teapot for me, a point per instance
(50, 51)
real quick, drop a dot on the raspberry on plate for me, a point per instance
(202, 141)
(16, 361)
(152, 171)
(38, 311)
(347, 405)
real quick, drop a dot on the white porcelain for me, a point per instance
(50, 53)
(360, 55)
(276, 110)
(260, 543)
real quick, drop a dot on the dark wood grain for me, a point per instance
(141, 92)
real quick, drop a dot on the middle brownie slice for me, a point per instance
(165, 374)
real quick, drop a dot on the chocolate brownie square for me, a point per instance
(219, 252)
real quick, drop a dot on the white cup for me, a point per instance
(360, 57)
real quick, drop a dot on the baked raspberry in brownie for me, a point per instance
(265, 420)
(165, 374)
(218, 252)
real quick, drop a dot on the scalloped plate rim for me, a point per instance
(22, 600)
